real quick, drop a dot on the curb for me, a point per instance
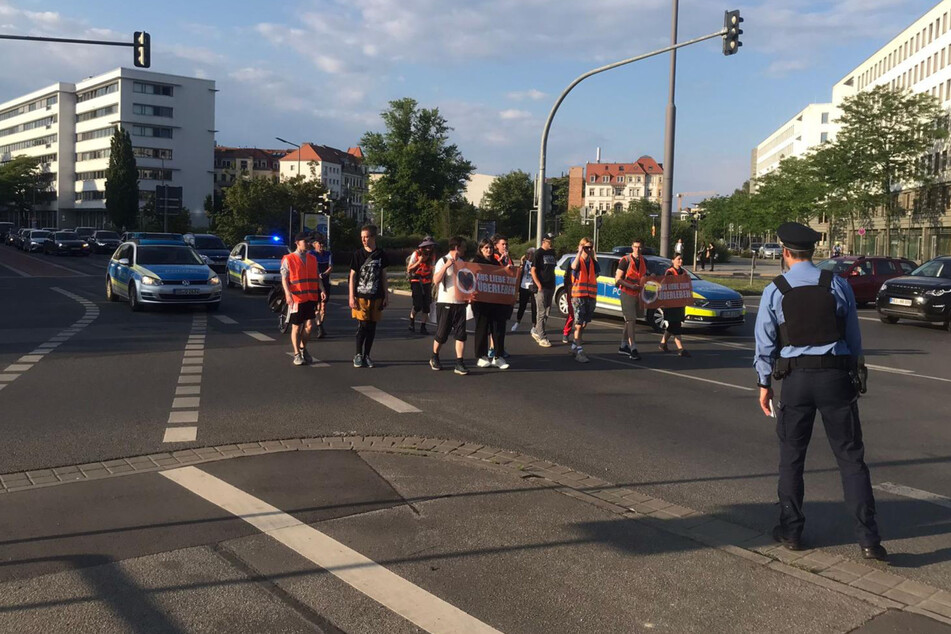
(873, 585)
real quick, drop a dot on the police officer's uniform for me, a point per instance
(807, 333)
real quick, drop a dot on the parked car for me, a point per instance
(35, 240)
(66, 243)
(866, 274)
(103, 241)
(15, 238)
(925, 295)
(5, 229)
(151, 235)
(211, 248)
(771, 250)
(714, 304)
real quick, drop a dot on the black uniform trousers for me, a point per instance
(830, 391)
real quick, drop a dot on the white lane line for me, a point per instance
(186, 402)
(411, 602)
(18, 367)
(15, 270)
(193, 360)
(187, 390)
(180, 434)
(66, 268)
(680, 375)
(883, 368)
(6, 378)
(181, 402)
(225, 319)
(177, 418)
(30, 358)
(917, 494)
(257, 335)
(194, 353)
(378, 395)
(186, 379)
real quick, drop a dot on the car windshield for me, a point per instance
(267, 252)
(40, 234)
(771, 245)
(167, 255)
(836, 266)
(107, 235)
(209, 242)
(160, 236)
(935, 268)
(66, 235)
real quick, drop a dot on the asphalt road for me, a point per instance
(685, 430)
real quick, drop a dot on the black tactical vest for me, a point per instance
(809, 312)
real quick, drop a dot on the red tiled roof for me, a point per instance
(643, 165)
(323, 153)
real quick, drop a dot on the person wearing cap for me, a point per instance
(543, 274)
(324, 268)
(302, 292)
(419, 268)
(807, 334)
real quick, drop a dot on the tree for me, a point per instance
(508, 202)
(122, 182)
(419, 166)
(253, 206)
(21, 184)
(559, 195)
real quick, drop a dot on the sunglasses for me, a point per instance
(588, 248)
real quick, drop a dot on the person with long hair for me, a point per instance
(490, 319)
(674, 316)
(584, 293)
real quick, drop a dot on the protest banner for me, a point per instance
(667, 291)
(485, 283)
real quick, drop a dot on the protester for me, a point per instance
(490, 319)
(526, 289)
(702, 257)
(630, 271)
(584, 293)
(302, 292)
(543, 274)
(368, 293)
(501, 257)
(566, 336)
(711, 253)
(324, 267)
(450, 312)
(674, 316)
(419, 268)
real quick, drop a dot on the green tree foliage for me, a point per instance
(22, 182)
(419, 166)
(262, 207)
(122, 182)
(559, 195)
(508, 202)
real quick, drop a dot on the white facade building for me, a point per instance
(814, 125)
(342, 173)
(171, 120)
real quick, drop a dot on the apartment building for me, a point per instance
(813, 125)
(342, 173)
(69, 127)
(610, 187)
(232, 163)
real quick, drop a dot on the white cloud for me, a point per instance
(532, 94)
(513, 114)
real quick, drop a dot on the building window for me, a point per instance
(152, 174)
(150, 110)
(29, 125)
(90, 176)
(100, 133)
(97, 92)
(823, 137)
(591, 191)
(151, 131)
(152, 152)
(93, 155)
(22, 145)
(152, 89)
(90, 195)
(825, 117)
(95, 114)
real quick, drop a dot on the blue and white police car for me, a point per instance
(256, 262)
(144, 272)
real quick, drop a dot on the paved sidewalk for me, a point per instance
(503, 539)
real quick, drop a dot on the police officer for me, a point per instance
(807, 334)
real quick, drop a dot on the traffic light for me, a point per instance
(142, 48)
(731, 41)
(653, 230)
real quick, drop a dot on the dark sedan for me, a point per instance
(925, 295)
(66, 243)
(103, 241)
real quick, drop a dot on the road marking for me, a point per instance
(18, 367)
(917, 494)
(671, 373)
(30, 358)
(411, 602)
(8, 377)
(882, 368)
(257, 335)
(189, 379)
(15, 270)
(187, 390)
(180, 434)
(225, 319)
(175, 418)
(185, 403)
(194, 353)
(180, 402)
(378, 395)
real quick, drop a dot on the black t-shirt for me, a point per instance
(369, 267)
(544, 265)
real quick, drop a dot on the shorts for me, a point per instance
(584, 309)
(675, 320)
(630, 307)
(368, 309)
(422, 297)
(305, 312)
(450, 318)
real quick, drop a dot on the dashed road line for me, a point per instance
(258, 335)
(680, 375)
(411, 602)
(183, 417)
(16, 270)
(15, 370)
(378, 395)
(917, 494)
(225, 319)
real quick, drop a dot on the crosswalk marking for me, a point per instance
(257, 335)
(225, 319)
(378, 395)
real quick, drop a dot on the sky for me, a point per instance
(322, 71)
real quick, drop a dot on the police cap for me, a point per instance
(797, 236)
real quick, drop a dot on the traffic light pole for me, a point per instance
(543, 154)
(69, 40)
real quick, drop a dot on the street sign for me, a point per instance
(168, 199)
(485, 229)
(318, 223)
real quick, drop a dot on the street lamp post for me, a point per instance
(670, 130)
(290, 209)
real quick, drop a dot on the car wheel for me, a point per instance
(244, 283)
(133, 300)
(886, 319)
(655, 319)
(110, 293)
(561, 301)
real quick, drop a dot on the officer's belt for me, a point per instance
(816, 362)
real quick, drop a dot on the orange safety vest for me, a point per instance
(634, 275)
(424, 272)
(673, 271)
(587, 283)
(303, 278)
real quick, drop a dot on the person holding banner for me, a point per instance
(490, 318)
(584, 293)
(628, 279)
(450, 309)
(674, 316)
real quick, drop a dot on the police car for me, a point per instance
(144, 271)
(713, 304)
(256, 262)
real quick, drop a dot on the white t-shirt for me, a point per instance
(446, 288)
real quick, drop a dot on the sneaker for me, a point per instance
(358, 360)
(544, 343)
(309, 360)
(581, 357)
(434, 364)
(298, 359)
(412, 327)
(624, 349)
(484, 362)
(461, 368)
(500, 363)
(683, 353)
(565, 339)
(368, 362)
(422, 329)
(635, 355)
(535, 335)
(514, 327)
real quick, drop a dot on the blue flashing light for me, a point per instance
(276, 238)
